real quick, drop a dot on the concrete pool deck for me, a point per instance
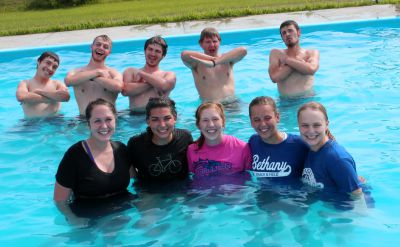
(189, 27)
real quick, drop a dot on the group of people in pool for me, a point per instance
(98, 167)
(292, 69)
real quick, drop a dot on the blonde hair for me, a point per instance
(316, 107)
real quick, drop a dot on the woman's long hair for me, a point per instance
(218, 107)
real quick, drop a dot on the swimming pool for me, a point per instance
(358, 82)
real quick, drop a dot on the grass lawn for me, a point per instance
(14, 20)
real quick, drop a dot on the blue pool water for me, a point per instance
(358, 81)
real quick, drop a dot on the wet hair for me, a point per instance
(263, 100)
(159, 103)
(97, 102)
(200, 109)
(159, 41)
(209, 32)
(104, 37)
(315, 106)
(288, 23)
(50, 54)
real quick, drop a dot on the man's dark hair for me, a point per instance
(160, 103)
(159, 41)
(288, 23)
(49, 54)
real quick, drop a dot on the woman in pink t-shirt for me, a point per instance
(214, 152)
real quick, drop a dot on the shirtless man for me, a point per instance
(213, 72)
(149, 81)
(95, 80)
(293, 69)
(41, 96)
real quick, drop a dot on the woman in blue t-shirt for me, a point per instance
(328, 165)
(275, 154)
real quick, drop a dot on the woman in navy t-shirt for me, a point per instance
(276, 155)
(328, 165)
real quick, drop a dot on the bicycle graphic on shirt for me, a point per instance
(174, 166)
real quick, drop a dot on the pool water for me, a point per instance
(358, 81)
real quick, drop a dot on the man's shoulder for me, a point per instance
(112, 70)
(132, 70)
(56, 82)
(25, 81)
(165, 73)
(80, 69)
(312, 52)
(276, 50)
(275, 53)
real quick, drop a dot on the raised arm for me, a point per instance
(307, 66)
(24, 96)
(133, 84)
(78, 76)
(232, 56)
(61, 93)
(277, 71)
(192, 58)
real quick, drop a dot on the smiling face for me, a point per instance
(313, 128)
(162, 123)
(264, 121)
(153, 54)
(290, 35)
(210, 45)
(102, 123)
(47, 67)
(211, 123)
(101, 48)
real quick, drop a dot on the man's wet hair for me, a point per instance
(159, 41)
(288, 23)
(104, 37)
(160, 103)
(209, 32)
(50, 54)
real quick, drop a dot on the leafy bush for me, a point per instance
(55, 4)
